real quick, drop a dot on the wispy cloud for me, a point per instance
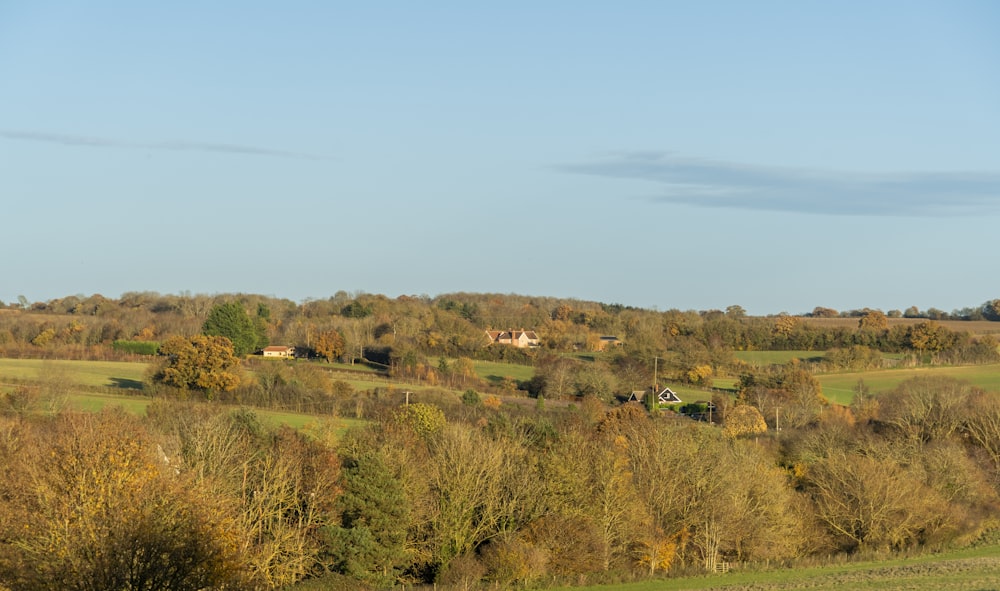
(176, 146)
(711, 183)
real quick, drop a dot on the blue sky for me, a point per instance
(694, 155)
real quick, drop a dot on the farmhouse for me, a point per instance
(279, 351)
(517, 338)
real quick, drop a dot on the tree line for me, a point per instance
(203, 344)
(408, 331)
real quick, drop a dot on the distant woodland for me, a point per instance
(551, 478)
(412, 334)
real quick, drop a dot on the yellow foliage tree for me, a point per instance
(426, 420)
(700, 375)
(873, 321)
(329, 344)
(104, 512)
(199, 363)
(785, 324)
(743, 421)
(657, 551)
(492, 402)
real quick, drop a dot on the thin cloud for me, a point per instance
(175, 146)
(711, 183)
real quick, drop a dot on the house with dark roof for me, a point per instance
(665, 396)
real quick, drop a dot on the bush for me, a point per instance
(470, 397)
(136, 347)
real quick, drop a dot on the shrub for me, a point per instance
(136, 347)
(470, 397)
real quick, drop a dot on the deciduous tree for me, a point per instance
(924, 409)
(103, 512)
(199, 363)
(928, 337)
(991, 310)
(329, 344)
(744, 421)
(874, 321)
(873, 503)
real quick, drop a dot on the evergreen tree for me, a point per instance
(370, 542)
(231, 320)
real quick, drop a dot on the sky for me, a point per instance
(776, 155)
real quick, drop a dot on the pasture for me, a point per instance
(93, 402)
(496, 372)
(840, 387)
(137, 405)
(93, 374)
(92, 386)
(969, 569)
(95, 384)
(777, 357)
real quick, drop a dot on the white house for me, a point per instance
(279, 351)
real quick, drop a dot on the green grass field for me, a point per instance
(839, 387)
(777, 357)
(91, 402)
(126, 378)
(970, 569)
(118, 376)
(137, 405)
(355, 368)
(495, 372)
(110, 374)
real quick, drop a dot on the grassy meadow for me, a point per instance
(969, 569)
(777, 357)
(496, 372)
(96, 384)
(137, 405)
(839, 387)
(108, 374)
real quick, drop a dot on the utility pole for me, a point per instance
(654, 401)
(655, 368)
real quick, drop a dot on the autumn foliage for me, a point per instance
(194, 496)
(573, 486)
(199, 363)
